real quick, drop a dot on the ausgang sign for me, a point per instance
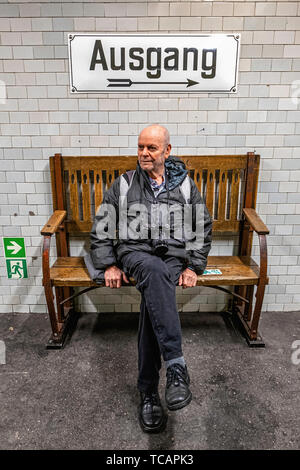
(146, 63)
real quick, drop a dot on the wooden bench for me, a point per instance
(228, 184)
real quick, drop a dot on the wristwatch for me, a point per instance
(191, 268)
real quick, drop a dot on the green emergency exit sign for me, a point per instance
(16, 268)
(14, 247)
(15, 254)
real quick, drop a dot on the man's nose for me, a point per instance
(145, 151)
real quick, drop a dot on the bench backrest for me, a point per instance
(228, 183)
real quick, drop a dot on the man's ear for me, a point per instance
(168, 151)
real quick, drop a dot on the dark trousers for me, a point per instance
(159, 325)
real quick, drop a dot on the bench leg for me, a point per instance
(59, 298)
(257, 311)
(62, 293)
(69, 325)
(248, 307)
(55, 325)
(248, 321)
(63, 320)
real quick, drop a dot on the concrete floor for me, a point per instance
(85, 396)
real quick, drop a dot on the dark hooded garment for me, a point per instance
(108, 252)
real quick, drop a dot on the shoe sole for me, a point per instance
(182, 404)
(153, 430)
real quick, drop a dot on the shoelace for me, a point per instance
(150, 399)
(175, 375)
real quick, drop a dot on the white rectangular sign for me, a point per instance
(204, 63)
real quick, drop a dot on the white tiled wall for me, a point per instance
(40, 117)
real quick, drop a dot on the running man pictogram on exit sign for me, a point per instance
(16, 268)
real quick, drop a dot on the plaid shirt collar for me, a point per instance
(157, 188)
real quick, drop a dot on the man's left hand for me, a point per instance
(188, 278)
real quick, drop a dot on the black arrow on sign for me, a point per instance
(126, 82)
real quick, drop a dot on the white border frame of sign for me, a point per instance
(73, 89)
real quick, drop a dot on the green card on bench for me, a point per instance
(212, 271)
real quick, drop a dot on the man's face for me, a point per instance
(152, 150)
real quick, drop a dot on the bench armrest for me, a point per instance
(54, 222)
(255, 221)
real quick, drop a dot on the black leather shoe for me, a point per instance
(152, 417)
(177, 392)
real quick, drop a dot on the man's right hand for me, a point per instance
(113, 277)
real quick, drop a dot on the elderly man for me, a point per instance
(157, 265)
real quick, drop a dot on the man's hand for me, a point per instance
(188, 278)
(113, 277)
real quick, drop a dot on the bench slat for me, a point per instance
(222, 196)
(98, 189)
(73, 185)
(234, 200)
(86, 195)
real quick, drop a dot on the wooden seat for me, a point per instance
(228, 185)
(71, 271)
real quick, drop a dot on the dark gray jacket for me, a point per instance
(107, 252)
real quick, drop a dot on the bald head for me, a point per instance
(158, 132)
